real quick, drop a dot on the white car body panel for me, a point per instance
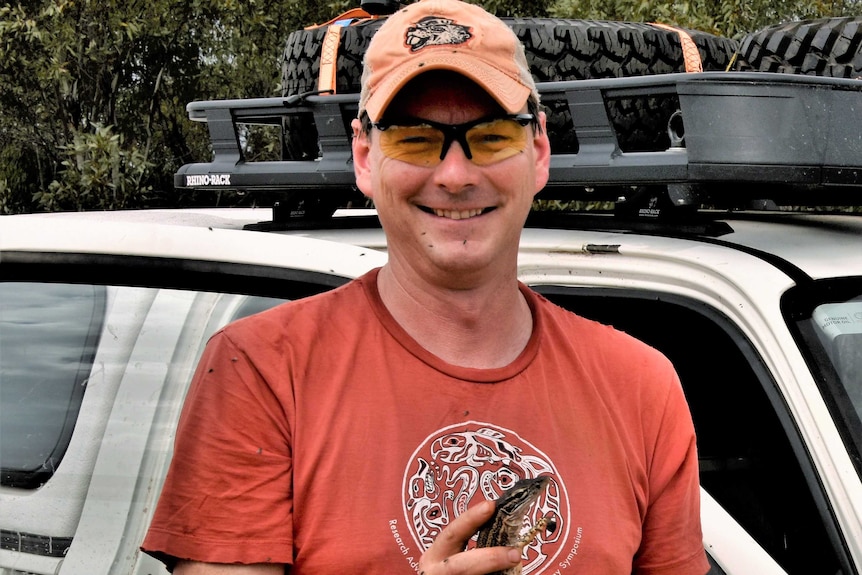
(729, 545)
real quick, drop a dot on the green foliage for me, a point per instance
(100, 173)
(93, 92)
(87, 84)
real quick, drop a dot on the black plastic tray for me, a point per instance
(785, 137)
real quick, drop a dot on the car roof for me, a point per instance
(819, 245)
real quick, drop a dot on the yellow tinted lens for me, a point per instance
(419, 145)
(496, 140)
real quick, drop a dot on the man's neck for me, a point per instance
(484, 327)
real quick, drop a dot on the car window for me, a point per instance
(826, 319)
(48, 338)
(49, 334)
(839, 329)
(254, 304)
(748, 447)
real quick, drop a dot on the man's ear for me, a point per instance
(542, 150)
(361, 158)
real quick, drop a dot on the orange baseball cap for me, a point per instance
(445, 35)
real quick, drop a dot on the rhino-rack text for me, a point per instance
(208, 180)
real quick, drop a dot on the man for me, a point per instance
(367, 429)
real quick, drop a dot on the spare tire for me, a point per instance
(825, 47)
(557, 49)
(560, 50)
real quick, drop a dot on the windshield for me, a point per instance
(827, 320)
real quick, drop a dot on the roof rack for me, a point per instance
(729, 137)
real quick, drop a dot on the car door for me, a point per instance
(716, 314)
(100, 330)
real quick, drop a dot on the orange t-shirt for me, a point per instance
(320, 434)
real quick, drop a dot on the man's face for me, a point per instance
(456, 222)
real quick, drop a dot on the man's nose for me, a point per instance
(456, 171)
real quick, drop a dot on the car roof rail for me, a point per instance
(723, 139)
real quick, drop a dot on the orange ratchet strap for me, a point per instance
(690, 53)
(331, 41)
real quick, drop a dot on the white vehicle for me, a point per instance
(103, 316)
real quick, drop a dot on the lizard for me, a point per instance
(505, 525)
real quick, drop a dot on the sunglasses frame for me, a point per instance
(453, 132)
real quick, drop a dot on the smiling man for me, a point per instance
(452, 224)
(367, 429)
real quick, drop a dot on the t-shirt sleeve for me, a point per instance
(227, 497)
(672, 542)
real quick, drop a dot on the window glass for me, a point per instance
(826, 319)
(48, 338)
(839, 329)
(255, 304)
(49, 334)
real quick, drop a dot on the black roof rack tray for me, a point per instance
(798, 135)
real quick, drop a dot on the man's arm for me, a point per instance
(195, 568)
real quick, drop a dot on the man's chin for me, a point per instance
(460, 262)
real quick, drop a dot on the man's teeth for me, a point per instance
(457, 215)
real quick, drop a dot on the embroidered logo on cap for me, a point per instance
(435, 31)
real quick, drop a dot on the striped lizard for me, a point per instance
(504, 527)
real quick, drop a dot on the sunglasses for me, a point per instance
(425, 143)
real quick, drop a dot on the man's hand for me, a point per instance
(446, 556)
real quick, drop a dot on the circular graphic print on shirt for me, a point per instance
(463, 464)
